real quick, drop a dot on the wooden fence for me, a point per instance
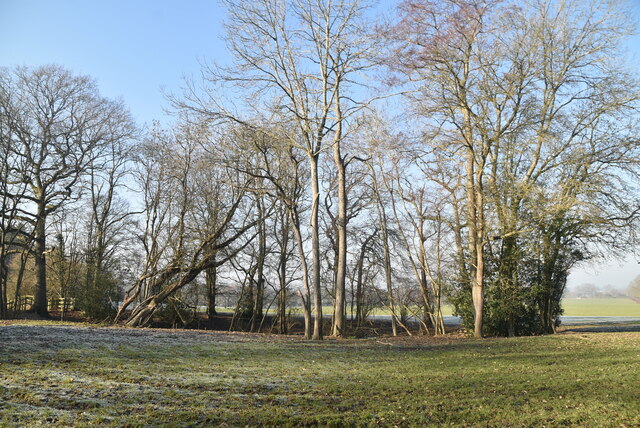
(25, 303)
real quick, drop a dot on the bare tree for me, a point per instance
(13, 236)
(301, 58)
(521, 92)
(440, 47)
(152, 179)
(177, 249)
(56, 123)
(208, 211)
(281, 165)
(109, 227)
(65, 259)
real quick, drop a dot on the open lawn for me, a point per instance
(61, 375)
(573, 307)
(601, 307)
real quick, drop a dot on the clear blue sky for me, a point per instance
(136, 48)
(133, 48)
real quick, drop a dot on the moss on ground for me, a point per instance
(53, 375)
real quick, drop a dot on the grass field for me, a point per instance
(601, 307)
(56, 375)
(595, 307)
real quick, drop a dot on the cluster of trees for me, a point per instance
(61, 143)
(500, 152)
(633, 289)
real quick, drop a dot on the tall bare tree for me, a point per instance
(281, 165)
(13, 236)
(302, 58)
(56, 123)
(109, 226)
(177, 249)
(439, 45)
(526, 94)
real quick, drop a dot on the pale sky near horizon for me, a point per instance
(135, 49)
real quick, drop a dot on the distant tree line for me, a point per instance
(467, 151)
(588, 290)
(633, 289)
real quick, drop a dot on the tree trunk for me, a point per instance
(360, 281)
(256, 315)
(39, 256)
(478, 284)
(315, 248)
(306, 297)
(475, 246)
(24, 258)
(3, 281)
(387, 276)
(211, 277)
(477, 293)
(341, 229)
(282, 267)
(359, 289)
(383, 222)
(424, 290)
(144, 314)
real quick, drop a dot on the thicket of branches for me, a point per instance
(500, 152)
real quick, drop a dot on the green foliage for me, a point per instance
(510, 311)
(245, 307)
(174, 313)
(507, 312)
(523, 288)
(96, 297)
(459, 295)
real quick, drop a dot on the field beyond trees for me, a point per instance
(600, 307)
(576, 307)
(59, 375)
